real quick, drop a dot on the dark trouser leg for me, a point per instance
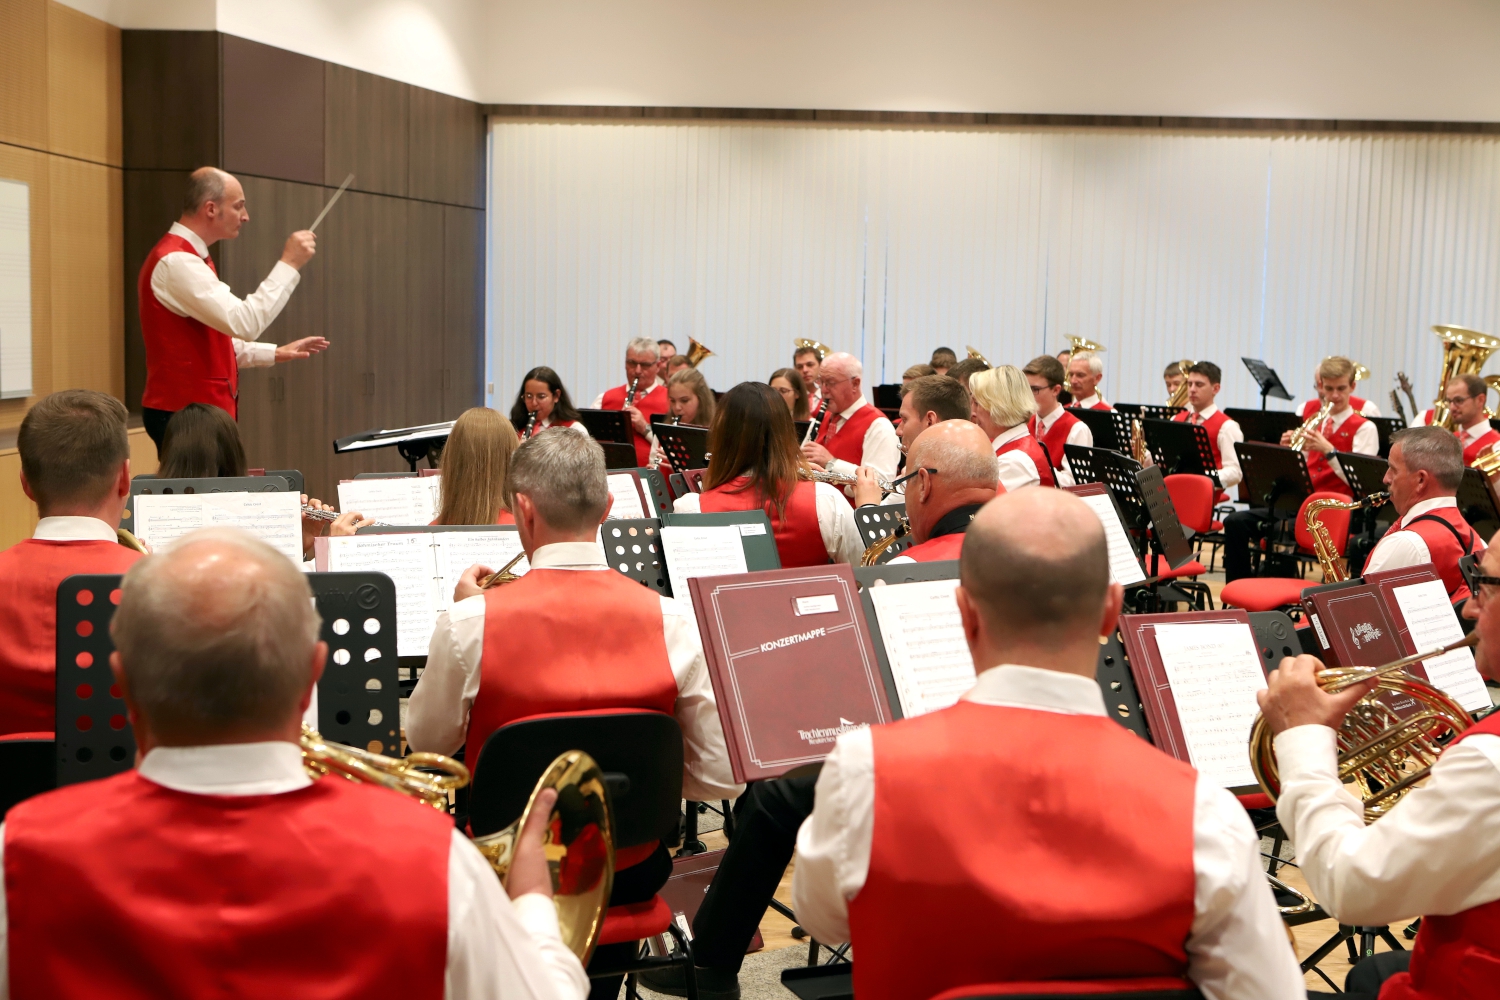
(635, 884)
(156, 425)
(766, 820)
(1371, 973)
(1241, 529)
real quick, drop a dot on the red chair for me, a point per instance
(1193, 496)
(1268, 593)
(1148, 988)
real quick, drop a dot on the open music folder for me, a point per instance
(1124, 563)
(274, 518)
(410, 500)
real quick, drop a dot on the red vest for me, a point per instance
(1456, 955)
(799, 540)
(936, 549)
(560, 423)
(1212, 425)
(654, 401)
(1056, 437)
(1101, 405)
(187, 361)
(1342, 439)
(1084, 890)
(1427, 418)
(848, 442)
(122, 888)
(1480, 445)
(1028, 444)
(30, 572)
(1446, 547)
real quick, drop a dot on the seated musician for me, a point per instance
(954, 474)
(942, 359)
(853, 432)
(1203, 380)
(218, 867)
(925, 402)
(915, 372)
(1172, 376)
(689, 401)
(75, 464)
(1426, 466)
(666, 350)
(754, 465)
(789, 384)
(542, 402)
(809, 364)
(1085, 372)
(1052, 424)
(571, 635)
(1102, 857)
(1003, 403)
(1435, 853)
(966, 369)
(642, 395)
(476, 460)
(1466, 397)
(1364, 407)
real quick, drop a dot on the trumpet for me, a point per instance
(1328, 554)
(1312, 423)
(503, 574)
(696, 352)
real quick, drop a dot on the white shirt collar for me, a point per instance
(1044, 424)
(1005, 437)
(1084, 404)
(1418, 509)
(569, 555)
(1204, 413)
(1476, 431)
(1032, 687)
(230, 769)
(178, 229)
(72, 528)
(861, 401)
(1337, 419)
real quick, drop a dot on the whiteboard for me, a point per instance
(15, 289)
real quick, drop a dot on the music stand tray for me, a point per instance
(1105, 428)
(1274, 476)
(414, 443)
(607, 425)
(685, 445)
(1264, 426)
(1181, 447)
(1265, 376)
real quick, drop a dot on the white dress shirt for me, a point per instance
(1230, 473)
(835, 521)
(497, 947)
(1406, 548)
(1366, 439)
(71, 528)
(1474, 432)
(188, 287)
(1016, 467)
(1090, 403)
(1079, 434)
(1436, 852)
(437, 717)
(882, 448)
(1237, 947)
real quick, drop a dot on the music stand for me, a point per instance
(607, 425)
(1166, 530)
(414, 443)
(144, 486)
(685, 445)
(1265, 376)
(1364, 473)
(1180, 447)
(877, 521)
(1151, 411)
(652, 480)
(1103, 425)
(1265, 426)
(633, 547)
(1385, 427)
(1274, 477)
(618, 456)
(1477, 504)
(799, 428)
(1081, 462)
(888, 396)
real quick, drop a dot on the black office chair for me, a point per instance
(28, 766)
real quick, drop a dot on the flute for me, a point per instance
(320, 514)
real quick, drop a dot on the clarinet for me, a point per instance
(630, 394)
(815, 423)
(530, 423)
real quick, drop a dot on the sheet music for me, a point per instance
(15, 289)
(274, 518)
(409, 501)
(924, 642)
(701, 551)
(627, 497)
(409, 561)
(458, 550)
(1434, 623)
(1124, 567)
(1214, 670)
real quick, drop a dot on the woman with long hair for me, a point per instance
(787, 382)
(475, 462)
(543, 402)
(1003, 403)
(689, 401)
(755, 465)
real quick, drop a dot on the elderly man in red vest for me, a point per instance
(1085, 372)
(75, 463)
(890, 861)
(854, 432)
(198, 334)
(1435, 853)
(218, 866)
(954, 473)
(642, 395)
(1052, 424)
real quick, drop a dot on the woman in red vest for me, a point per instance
(1003, 403)
(755, 464)
(787, 382)
(690, 401)
(543, 402)
(475, 461)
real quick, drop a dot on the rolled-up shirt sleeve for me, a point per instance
(186, 285)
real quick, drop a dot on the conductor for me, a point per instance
(198, 334)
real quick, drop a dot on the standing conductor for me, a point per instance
(198, 335)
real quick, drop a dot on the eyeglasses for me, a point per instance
(1457, 400)
(829, 383)
(639, 364)
(536, 397)
(1478, 582)
(899, 485)
(1040, 388)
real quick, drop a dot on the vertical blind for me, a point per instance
(888, 242)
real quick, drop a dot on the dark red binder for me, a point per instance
(792, 664)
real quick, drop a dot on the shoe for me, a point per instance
(713, 984)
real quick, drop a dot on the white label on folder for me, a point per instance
(823, 604)
(754, 529)
(1322, 636)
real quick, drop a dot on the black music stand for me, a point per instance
(877, 521)
(1385, 427)
(618, 456)
(1105, 428)
(651, 479)
(888, 396)
(1146, 510)
(94, 735)
(1152, 411)
(1265, 376)
(799, 428)
(607, 425)
(685, 445)
(1264, 426)
(1181, 447)
(1275, 477)
(1477, 504)
(414, 443)
(633, 547)
(1081, 462)
(1364, 473)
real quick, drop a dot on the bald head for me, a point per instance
(216, 637)
(961, 453)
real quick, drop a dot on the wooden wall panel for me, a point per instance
(87, 297)
(463, 310)
(423, 336)
(83, 86)
(273, 112)
(32, 167)
(170, 92)
(153, 201)
(23, 73)
(447, 149)
(366, 131)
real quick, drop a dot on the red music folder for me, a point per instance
(792, 664)
(1354, 624)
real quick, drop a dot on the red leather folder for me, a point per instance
(688, 883)
(792, 664)
(1354, 625)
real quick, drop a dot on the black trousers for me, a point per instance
(1367, 977)
(156, 425)
(635, 884)
(766, 819)
(1242, 529)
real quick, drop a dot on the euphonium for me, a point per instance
(974, 354)
(1085, 344)
(1179, 394)
(1312, 423)
(1385, 755)
(1464, 353)
(696, 352)
(822, 349)
(1328, 553)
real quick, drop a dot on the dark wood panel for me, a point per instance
(153, 201)
(170, 99)
(273, 112)
(365, 128)
(447, 149)
(463, 309)
(423, 334)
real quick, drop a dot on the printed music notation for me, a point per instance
(627, 506)
(1432, 623)
(701, 551)
(1215, 671)
(274, 518)
(405, 501)
(924, 642)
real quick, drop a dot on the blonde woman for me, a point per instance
(476, 460)
(1003, 403)
(689, 401)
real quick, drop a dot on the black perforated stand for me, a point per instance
(1151, 411)
(877, 521)
(686, 446)
(633, 547)
(1181, 447)
(651, 479)
(94, 738)
(1081, 463)
(1105, 428)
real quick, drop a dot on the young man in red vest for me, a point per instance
(1466, 397)
(1426, 466)
(809, 363)
(1085, 372)
(1203, 381)
(572, 635)
(644, 393)
(890, 863)
(1052, 424)
(1435, 853)
(954, 473)
(1003, 403)
(1364, 407)
(75, 463)
(211, 868)
(925, 402)
(854, 432)
(198, 334)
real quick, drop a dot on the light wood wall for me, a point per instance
(61, 132)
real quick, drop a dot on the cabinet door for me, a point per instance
(463, 313)
(423, 336)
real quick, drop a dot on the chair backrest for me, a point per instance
(28, 766)
(1193, 496)
(1151, 988)
(1334, 520)
(645, 747)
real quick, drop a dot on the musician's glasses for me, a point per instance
(898, 486)
(1479, 582)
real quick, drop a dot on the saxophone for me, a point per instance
(1312, 423)
(1328, 554)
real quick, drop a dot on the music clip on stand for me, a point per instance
(1265, 376)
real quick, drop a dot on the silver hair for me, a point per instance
(206, 184)
(226, 653)
(1435, 450)
(1005, 394)
(841, 361)
(962, 467)
(1096, 363)
(642, 345)
(562, 472)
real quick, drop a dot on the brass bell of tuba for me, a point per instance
(1464, 353)
(975, 355)
(804, 343)
(1179, 394)
(696, 352)
(1085, 344)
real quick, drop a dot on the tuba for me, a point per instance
(696, 352)
(1179, 394)
(822, 349)
(1328, 553)
(975, 355)
(580, 837)
(1084, 344)
(1312, 423)
(1464, 353)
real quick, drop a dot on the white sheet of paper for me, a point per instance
(458, 550)
(1434, 623)
(924, 642)
(700, 551)
(391, 501)
(1124, 567)
(408, 560)
(627, 497)
(1214, 670)
(274, 518)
